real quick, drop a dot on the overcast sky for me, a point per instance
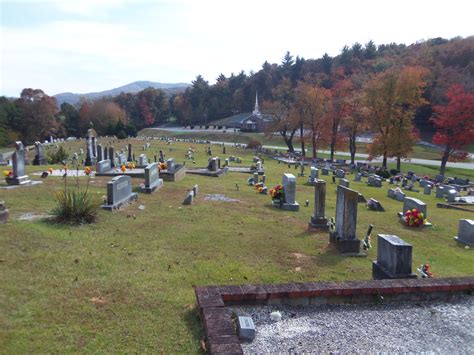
(93, 45)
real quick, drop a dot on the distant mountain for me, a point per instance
(134, 87)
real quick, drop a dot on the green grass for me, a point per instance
(419, 151)
(125, 283)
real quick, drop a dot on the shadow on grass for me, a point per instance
(193, 323)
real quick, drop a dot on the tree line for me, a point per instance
(35, 115)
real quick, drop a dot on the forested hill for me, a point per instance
(447, 62)
(133, 88)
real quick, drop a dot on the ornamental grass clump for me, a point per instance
(75, 205)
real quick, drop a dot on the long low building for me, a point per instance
(248, 122)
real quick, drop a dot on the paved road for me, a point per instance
(360, 156)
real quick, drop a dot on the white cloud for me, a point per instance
(172, 41)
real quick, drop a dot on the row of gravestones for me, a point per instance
(443, 191)
(119, 189)
(394, 257)
(344, 234)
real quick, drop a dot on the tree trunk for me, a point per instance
(313, 142)
(352, 147)
(384, 161)
(399, 164)
(444, 160)
(333, 148)
(303, 152)
(289, 143)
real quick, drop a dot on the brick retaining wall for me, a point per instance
(221, 335)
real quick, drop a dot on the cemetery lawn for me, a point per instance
(419, 151)
(125, 283)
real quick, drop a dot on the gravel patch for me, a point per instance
(439, 327)
(222, 198)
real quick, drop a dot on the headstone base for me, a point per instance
(463, 241)
(132, 198)
(319, 223)
(149, 190)
(290, 206)
(311, 182)
(20, 180)
(347, 247)
(177, 174)
(381, 273)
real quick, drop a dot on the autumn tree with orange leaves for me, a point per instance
(392, 98)
(339, 110)
(285, 122)
(454, 124)
(312, 103)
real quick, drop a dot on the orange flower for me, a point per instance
(87, 170)
(50, 170)
(123, 168)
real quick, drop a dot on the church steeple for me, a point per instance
(256, 110)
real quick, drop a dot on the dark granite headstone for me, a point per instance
(103, 166)
(119, 192)
(375, 205)
(112, 157)
(394, 258)
(340, 174)
(100, 152)
(246, 328)
(39, 155)
(344, 182)
(344, 237)
(152, 179)
(130, 154)
(318, 219)
(465, 232)
(314, 175)
(18, 163)
(410, 203)
(170, 165)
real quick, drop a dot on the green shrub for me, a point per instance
(58, 157)
(394, 172)
(383, 174)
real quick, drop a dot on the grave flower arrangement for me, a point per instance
(8, 175)
(131, 165)
(277, 194)
(261, 188)
(414, 218)
(123, 168)
(425, 272)
(163, 166)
